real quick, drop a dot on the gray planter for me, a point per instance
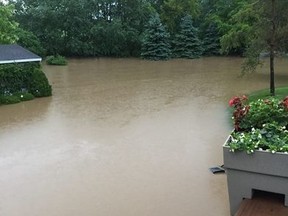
(258, 171)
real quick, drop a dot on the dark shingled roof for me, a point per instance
(15, 53)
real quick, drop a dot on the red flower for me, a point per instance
(240, 110)
(285, 102)
(231, 102)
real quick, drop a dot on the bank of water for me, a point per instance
(123, 137)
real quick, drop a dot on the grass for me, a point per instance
(280, 93)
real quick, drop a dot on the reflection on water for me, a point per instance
(123, 137)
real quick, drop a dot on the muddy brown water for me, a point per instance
(123, 137)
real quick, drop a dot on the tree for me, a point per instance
(186, 43)
(270, 34)
(155, 43)
(172, 11)
(234, 20)
(8, 27)
(30, 41)
(156, 4)
(211, 40)
(69, 27)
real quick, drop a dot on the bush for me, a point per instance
(38, 84)
(24, 96)
(9, 99)
(56, 60)
(24, 79)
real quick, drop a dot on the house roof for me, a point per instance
(15, 54)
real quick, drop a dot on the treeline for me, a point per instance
(156, 29)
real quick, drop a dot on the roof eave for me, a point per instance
(20, 60)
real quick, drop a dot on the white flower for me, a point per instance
(264, 125)
(21, 96)
(273, 151)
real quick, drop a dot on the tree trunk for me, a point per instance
(272, 51)
(272, 81)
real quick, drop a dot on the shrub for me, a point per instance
(56, 60)
(24, 79)
(24, 96)
(37, 84)
(9, 99)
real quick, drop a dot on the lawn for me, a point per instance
(280, 93)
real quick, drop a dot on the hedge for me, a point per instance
(23, 81)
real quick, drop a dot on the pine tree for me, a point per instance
(155, 43)
(211, 41)
(186, 43)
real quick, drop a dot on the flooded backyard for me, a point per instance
(124, 137)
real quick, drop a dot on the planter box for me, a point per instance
(258, 171)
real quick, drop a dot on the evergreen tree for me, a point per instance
(186, 43)
(155, 43)
(211, 41)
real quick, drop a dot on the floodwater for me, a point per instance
(123, 137)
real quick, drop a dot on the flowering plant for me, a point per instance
(259, 125)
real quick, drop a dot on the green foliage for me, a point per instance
(272, 137)
(8, 26)
(85, 28)
(9, 99)
(235, 23)
(29, 41)
(186, 43)
(24, 96)
(23, 78)
(38, 84)
(211, 40)
(174, 10)
(265, 111)
(15, 98)
(268, 32)
(56, 60)
(115, 27)
(262, 126)
(155, 43)
(113, 39)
